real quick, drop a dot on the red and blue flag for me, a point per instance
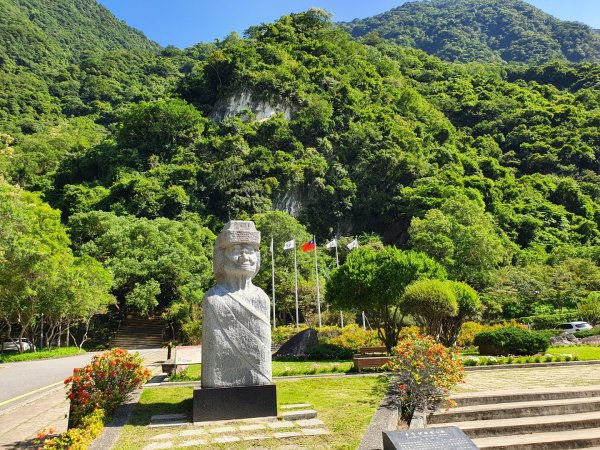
(308, 246)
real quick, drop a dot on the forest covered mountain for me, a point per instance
(490, 168)
(44, 33)
(482, 30)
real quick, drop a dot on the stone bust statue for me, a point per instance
(236, 334)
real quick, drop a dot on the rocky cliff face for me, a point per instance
(290, 202)
(248, 101)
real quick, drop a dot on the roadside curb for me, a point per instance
(386, 418)
(112, 430)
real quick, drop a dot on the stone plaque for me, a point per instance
(447, 438)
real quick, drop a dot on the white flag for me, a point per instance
(271, 245)
(289, 244)
(352, 244)
(331, 244)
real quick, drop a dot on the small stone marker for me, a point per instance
(159, 417)
(168, 420)
(299, 414)
(253, 427)
(256, 437)
(314, 431)
(310, 422)
(447, 438)
(225, 439)
(296, 406)
(286, 434)
(223, 430)
(282, 424)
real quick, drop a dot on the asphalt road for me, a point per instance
(18, 380)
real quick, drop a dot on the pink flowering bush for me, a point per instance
(104, 383)
(424, 371)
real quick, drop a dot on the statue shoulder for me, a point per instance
(262, 294)
(217, 290)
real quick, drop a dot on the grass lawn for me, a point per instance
(283, 368)
(553, 354)
(345, 405)
(583, 352)
(43, 354)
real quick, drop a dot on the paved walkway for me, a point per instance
(25, 418)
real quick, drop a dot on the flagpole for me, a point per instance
(337, 264)
(317, 277)
(363, 313)
(296, 285)
(273, 279)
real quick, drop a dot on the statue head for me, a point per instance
(236, 250)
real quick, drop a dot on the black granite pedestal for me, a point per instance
(241, 402)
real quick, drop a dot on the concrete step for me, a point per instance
(138, 333)
(537, 441)
(527, 425)
(525, 396)
(516, 409)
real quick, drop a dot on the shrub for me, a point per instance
(328, 332)
(353, 337)
(468, 331)
(104, 383)
(325, 352)
(466, 337)
(78, 438)
(409, 332)
(511, 341)
(424, 372)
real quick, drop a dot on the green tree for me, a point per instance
(469, 307)
(464, 238)
(155, 262)
(374, 281)
(38, 273)
(589, 308)
(160, 128)
(432, 303)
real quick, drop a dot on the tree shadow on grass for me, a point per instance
(144, 411)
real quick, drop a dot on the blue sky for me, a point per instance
(186, 22)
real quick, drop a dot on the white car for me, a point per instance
(574, 327)
(13, 346)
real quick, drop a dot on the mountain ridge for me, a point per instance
(35, 33)
(482, 30)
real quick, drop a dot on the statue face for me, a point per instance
(241, 259)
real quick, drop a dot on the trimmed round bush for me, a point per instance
(511, 341)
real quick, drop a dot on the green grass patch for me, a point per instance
(42, 354)
(280, 369)
(553, 354)
(582, 352)
(345, 405)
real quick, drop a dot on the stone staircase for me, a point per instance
(138, 333)
(532, 419)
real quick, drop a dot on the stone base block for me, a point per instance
(241, 402)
